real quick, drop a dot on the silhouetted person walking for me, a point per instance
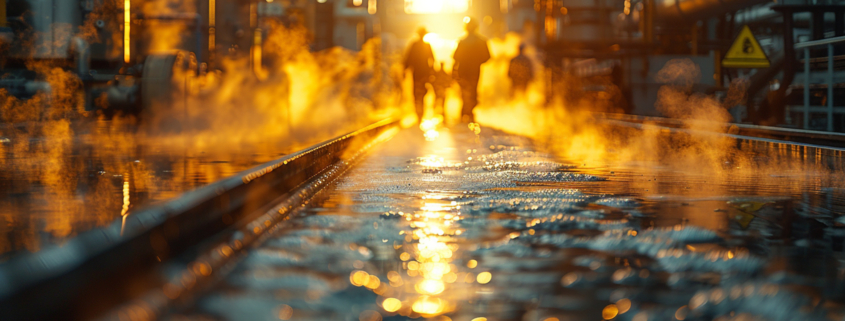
(442, 81)
(419, 59)
(521, 72)
(472, 51)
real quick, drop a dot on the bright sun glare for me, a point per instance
(436, 6)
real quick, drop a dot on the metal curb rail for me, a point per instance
(801, 136)
(829, 157)
(101, 268)
(214, 262)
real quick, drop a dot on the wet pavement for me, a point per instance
(486, 226)
(58, 179)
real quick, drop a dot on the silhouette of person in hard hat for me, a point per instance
(419, 60)
(747, 47)
(521, 72)
(471, 53)
(442, 81)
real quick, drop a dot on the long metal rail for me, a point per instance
(800, 136)
(826, 149)
(157, 254)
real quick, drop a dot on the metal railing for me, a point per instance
(829, 42)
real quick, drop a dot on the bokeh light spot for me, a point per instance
(285, 312)
(359, 278)
(609, 312)
(392, 304)
(484, 277)
(624, 305)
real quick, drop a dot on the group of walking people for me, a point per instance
(472, 51)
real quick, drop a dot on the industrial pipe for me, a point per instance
(23, 87)
(789, 60)
(122, 97)
(34, 87)
(694, 10)
(81, 52)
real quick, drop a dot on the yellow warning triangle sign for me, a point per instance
(745, 52)
(744, 220)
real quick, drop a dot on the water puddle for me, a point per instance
(60, 183)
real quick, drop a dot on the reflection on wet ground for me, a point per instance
(484, 227)
(67, 178)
